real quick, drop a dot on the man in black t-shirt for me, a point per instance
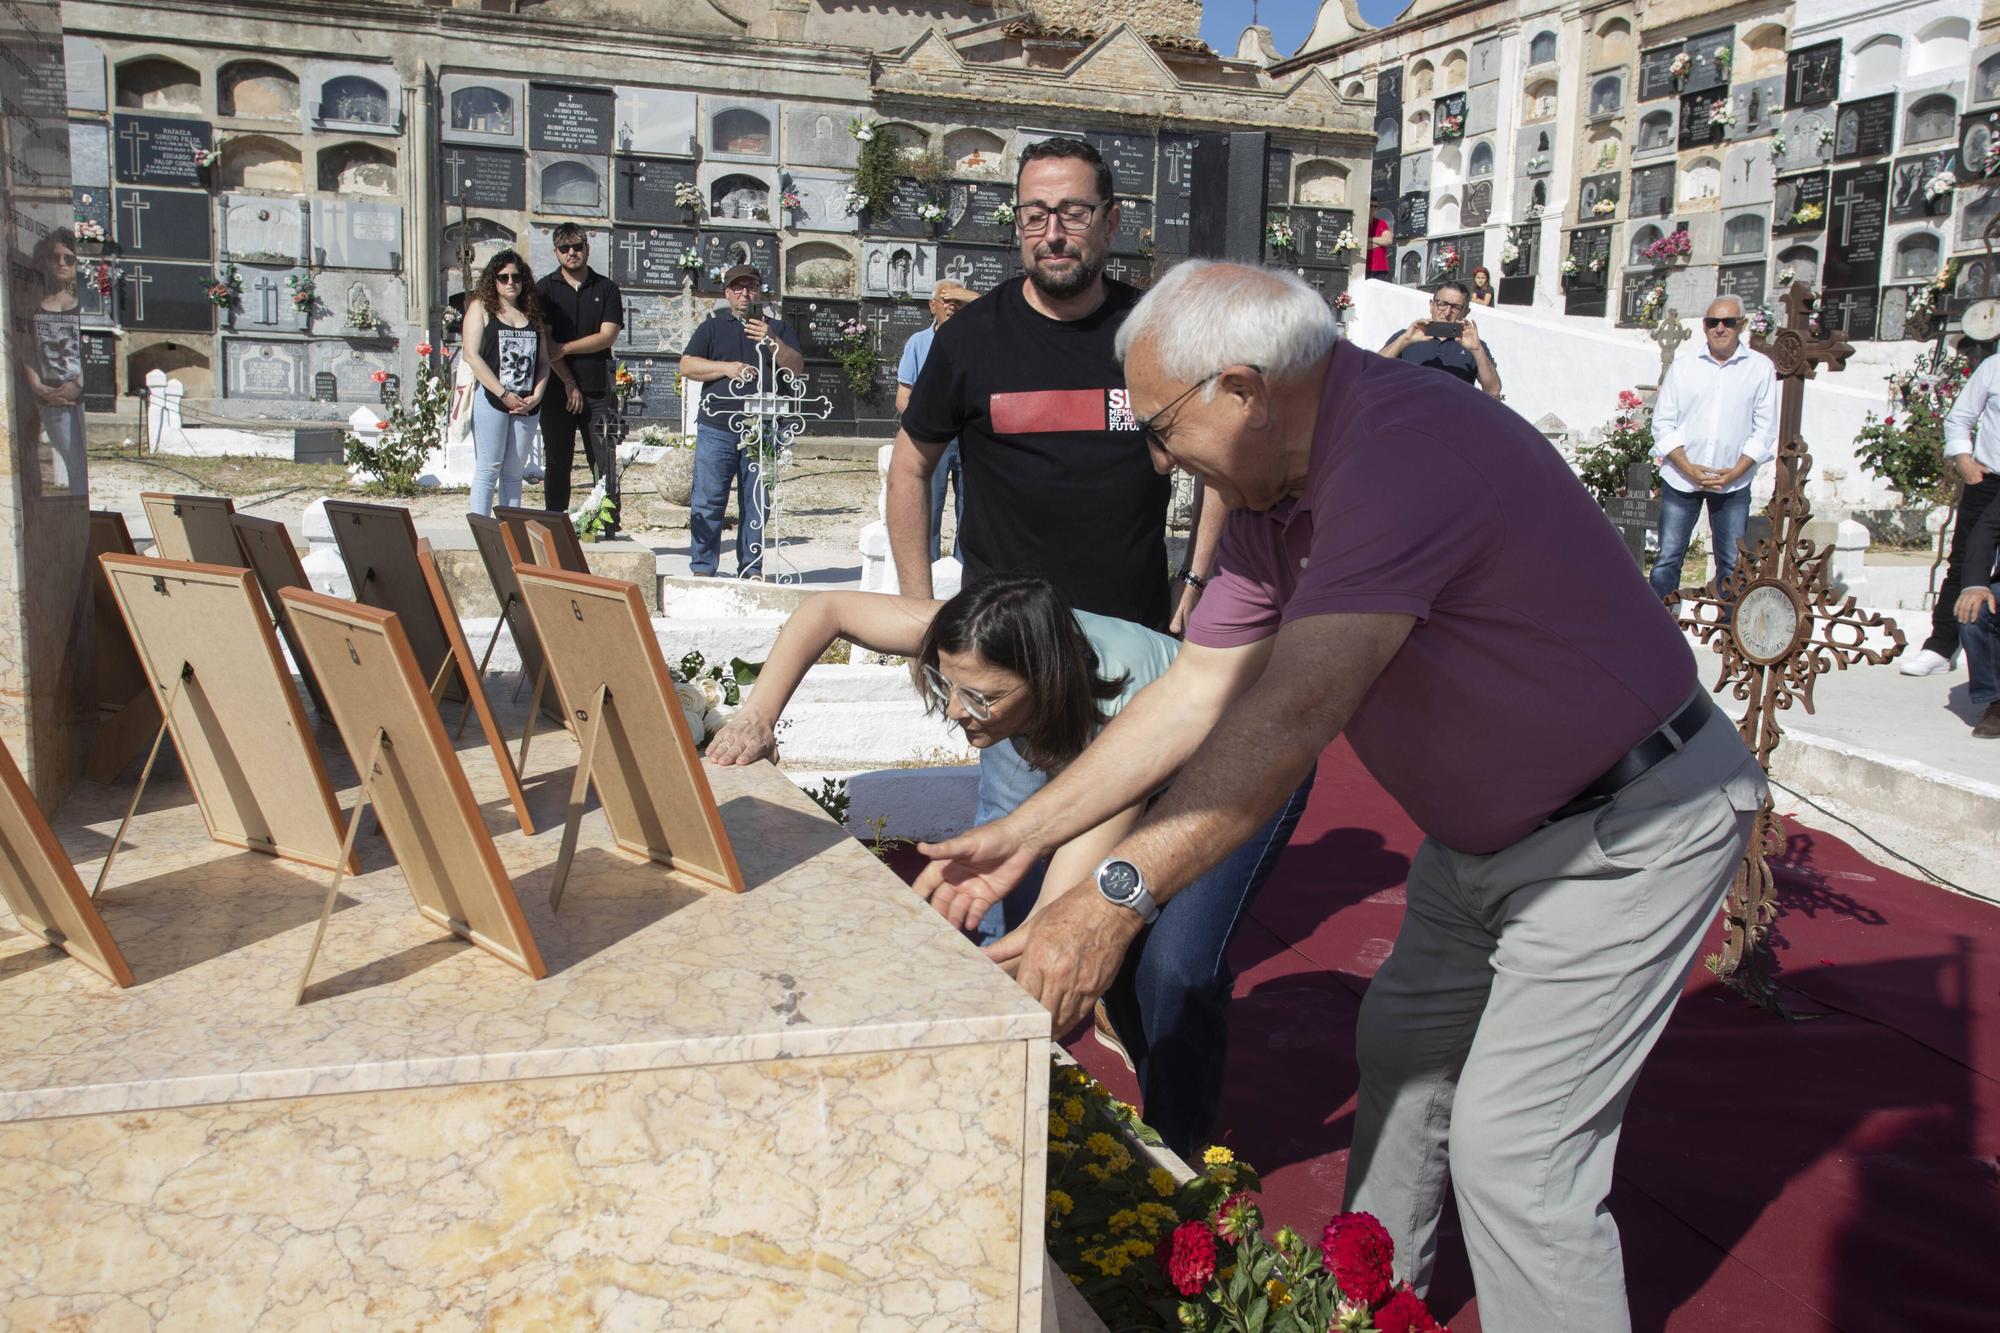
(584, 311)
(1058, 481)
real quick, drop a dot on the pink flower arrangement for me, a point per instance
(1674, 245)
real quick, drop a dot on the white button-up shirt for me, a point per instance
(1718, 412)
(1978, 403)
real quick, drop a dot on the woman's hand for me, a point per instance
(744, 739)
(534, 400)
(514, 402)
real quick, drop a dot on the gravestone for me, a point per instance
(1485, 64)
(816, 136)
(1318, 231)
(657, 396)
(1482, 110)
(1705, 71)
(1695, 128)
(266, 304)
(659, 323)
(817, 321)
(1135, 227)
(94, 304)
(160, 150)
(1864, 128)
(94, 204)
(382, 296)
(1652, 192)
(1584, 293)
(898, 216)
(326, 389)
(569, 184)
(1850, 310)
(487, 177)
(830, 383)
(1450, 106)
(655, 120)
(1173, 193)
(391, 389)
(1808, 139)
(723, 250)
(1856, 213)
(1908, 199)
(1657, 135)
(349, 234)
(1636, 514)
(1758, 105)
(890, 324)
(161, 224)
(1812, 74)
(1416, 173)
(100, 372)
(1633, 284)
(643, 189)
(823, 201)
(649, 257)
(174, 297)
(1278, 176)
(1747, 176)
(1744, 281)
(1978, 145)
(257, 228)
(1976, 208)
(1595, 190)
(980, 267)
(564, 119)
(1692, 286)
(898, 268)
(1384, 170)
(1892, 317)
(353, 368)
(1413, 215)
(1656, 78)
(83, 73)
(482, 110)
(255, 368)
(1792, 193)
(736, 129)
(1534, 154)
(1131, 271)
(974, 213)
(1129, 154)
(89, 153)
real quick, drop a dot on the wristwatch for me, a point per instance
(1123, 886)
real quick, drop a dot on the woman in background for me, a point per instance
(507, 350)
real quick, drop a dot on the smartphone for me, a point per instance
(1444, 328)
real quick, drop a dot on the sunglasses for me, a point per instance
(977, 704)
(572, 247)
(506, 277)
(1719, 322)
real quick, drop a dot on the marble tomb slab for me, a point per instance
(656, 120)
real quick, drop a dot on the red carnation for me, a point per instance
(1357, 1251)
(1405, 1312)
(1191, 1260)
(380, 377)
(423, 349)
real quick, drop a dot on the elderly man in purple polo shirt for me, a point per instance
(1407, 562)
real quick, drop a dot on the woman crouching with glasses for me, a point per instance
(1031, 681)
(507, 350)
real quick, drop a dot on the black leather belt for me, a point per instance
(1648, 752)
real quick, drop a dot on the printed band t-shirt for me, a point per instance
(513, 355)
(1058, 483)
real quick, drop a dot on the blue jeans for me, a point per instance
(719, 462)
(1728, 515)
(949, 473)
(500, 444)
(1981, 641)
(1170, 1003)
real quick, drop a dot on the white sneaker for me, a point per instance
(1925, 663)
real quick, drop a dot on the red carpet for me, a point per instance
(1842, 1173)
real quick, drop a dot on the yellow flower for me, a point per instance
(1124, 1108)
(1076, 1279)
(1156, 1217)
(1060, 1204)
(1227, 1273)
(1102, 1144)
(1096, 1172)
(1119, 1160)
(1062, 1149)
(1279, 1293)
(1124, 1220)
(1217, 1156)
(1072, 1110)
(1222, 1175)
(1058, 1127)
(1162, 1181)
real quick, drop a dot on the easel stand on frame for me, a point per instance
(185, 675)
(591, 721)
(370, 770)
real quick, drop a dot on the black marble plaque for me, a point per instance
(1856, 211)
(1389, 91)
(1413, 215)
(567, 119)
(817, 321)
(979, 223)
(1865, 128)
(1383, 177)
(1851, 310)
(1442, 108)
(875, 411)
(1517, 291)
(1527, 242)
(1636, 517)
(1587, 244)
(1328, 282)
(890, 324)
(491, 177)
(100, 372)
(1316, 233)
(1277, 177)
(1633, 284)
(326, 387)
(1705, 72)
(161, 224)
(642, 188)
(1593, 191)
(1131, 271)
(1652, 192)
(1792, 193)
(1129, 154)
(1745, 281)
(1907, 178)
(392, 390)
(1173, 193)
(657, 397)
(980, 267)
(898, 217)
(830, 382)
(1655, 77)
(166, 296)
(1812, 75)
(1135, 227)
(722, 250)
(650, 257)
(1978, 145)
(93, 202)
(160, 150)
(1696, 130)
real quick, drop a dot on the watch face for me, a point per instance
(1118, 881)
(1766, 623)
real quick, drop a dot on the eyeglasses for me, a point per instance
(506, 277)
(977, 704)
(1031, 218)
(1150, 433)
(572, 247)
(1719, 322)
(1449, 307)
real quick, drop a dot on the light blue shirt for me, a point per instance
(915, 351)
(1138, 654)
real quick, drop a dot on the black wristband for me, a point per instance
(1193, 580)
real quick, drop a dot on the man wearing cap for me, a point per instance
(946, 301)
(721, 356)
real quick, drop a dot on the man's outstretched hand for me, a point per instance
(1068, 954)
(973, 871)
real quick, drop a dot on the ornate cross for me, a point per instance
(770, 410)
(1779, 625)
(1669, 333)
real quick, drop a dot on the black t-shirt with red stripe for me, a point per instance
(1058, 483)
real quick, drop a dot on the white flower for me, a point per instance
(717, 718)
(864, 134)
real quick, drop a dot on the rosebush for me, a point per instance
(1603, 465)
(1906, 446)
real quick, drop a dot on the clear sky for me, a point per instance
(1222, 21)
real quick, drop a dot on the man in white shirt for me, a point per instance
(1978, 466)
(1716, 419)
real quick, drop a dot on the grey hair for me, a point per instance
(1734, 300)
(1202, 316)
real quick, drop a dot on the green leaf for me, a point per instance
(745, 673)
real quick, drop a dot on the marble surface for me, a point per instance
(827, 954)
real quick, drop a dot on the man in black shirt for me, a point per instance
(1058, 480)
(1462, 354)
(584, 311)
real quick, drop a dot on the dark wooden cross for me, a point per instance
(1779, 625)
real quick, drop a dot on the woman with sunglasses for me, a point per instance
(507, 350)
(53, 360)
(1031, 681)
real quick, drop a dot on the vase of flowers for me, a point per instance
(1682, 66)
(687, 196)
(227, 287)
(1278, 233)
(89, 233)
(1673, 248)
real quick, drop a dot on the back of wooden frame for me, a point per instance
(378, 544)
(192, 527)
(41, 886)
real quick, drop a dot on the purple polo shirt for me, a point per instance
(1539, 655)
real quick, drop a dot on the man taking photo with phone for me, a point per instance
(1448, 341)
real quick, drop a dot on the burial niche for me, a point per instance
(1542, 49)
(571, 185)
(1878, 61)
(1422, 75)
(1320, 182)
(1614, 43)
(974, 152)
(817, 266)
(1656, 131)
(1986, 86)
(1803, 261)
(177, 361)
(478, 109)
(1454, 71)
(1481, 164)
(740, 130)
(1642, 238)
(355, 100)
(1744, 235)
(1930, 119)
(1607, 95)
(254, 162)
(1420, 130)
(1389, 132)
(1411, 271)
(1942, 46)
(257, 89)
(1538, 100)
(1918, 254)
(358, 168)
(738, 198)
(155, 83)
(1763, 54)
(1702, 179)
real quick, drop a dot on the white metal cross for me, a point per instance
(768, 409)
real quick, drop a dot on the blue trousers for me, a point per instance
(1728, 516)
(500, 444)
(1981, 641)
(1170, 1003)
(947, 473)
(719, 463)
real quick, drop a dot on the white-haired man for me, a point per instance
(1408, 563)
(1715, 420)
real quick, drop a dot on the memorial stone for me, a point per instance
(1758, 106)
(1850, 310)
(1636, 514)
(1595, 190)
(817, 321)
(1812, 75)
(1744, 281)
(1135, 227)
(1706, 73)
(1892, 317)
(1864, 128)
(257, 228)
(353, 369)
(822, 203)
(1908, 198)
(1976, 208)
(1656, 78)
(723, 250)
(361, 305)
(1278, 176)
(1856, 214)
(89, 154)
(494, 178)
(656, 120)
(94, 204)
(266, 304)
(816, 136)
(978, 222)
(1478, 204)
(161, 224)
(570, 119)
(1793, 193)
(1482, 109)
(83, 74)
(100, 372)
(890, 325)
(1129, 154)
(1485, 64)
(349, 234)
(1691, 287)
(830, 383)
(1413, 216)
(1633, 284)
(899, 216)
(1747, 176)
(254, 368)
(1416, 173)
(482, 110)
(657, 396)
(1122, 268)
(1978, 145)
(898, 268)
(650, 257)
(980, 267)
(1695, 128)
(326, 389)
(569, 184)
(158, 296)
(1318, 231)
(1173, 196)
(161, 150)
(659, 323)
(1389, 90)
(1384, 169)
(1652, 192)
